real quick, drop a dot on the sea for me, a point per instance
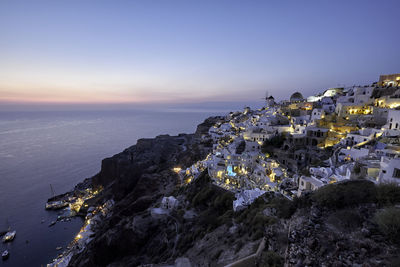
(58, 149)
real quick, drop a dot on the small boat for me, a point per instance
(5, 255)
(52, 223)
(55, 205)
(58, 248)
(9, 236)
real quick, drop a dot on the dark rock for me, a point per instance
(312, 243)
(365, 232)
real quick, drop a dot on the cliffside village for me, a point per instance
(301, 144)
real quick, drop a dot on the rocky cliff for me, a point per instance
(136, 180)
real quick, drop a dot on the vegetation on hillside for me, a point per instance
(272, 143)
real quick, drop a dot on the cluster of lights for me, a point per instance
(177, 169)
(394, 105)
(365, 111)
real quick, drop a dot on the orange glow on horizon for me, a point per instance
(102, 100)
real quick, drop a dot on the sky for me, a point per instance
(191, 52)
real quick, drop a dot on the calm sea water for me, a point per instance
(62, 148)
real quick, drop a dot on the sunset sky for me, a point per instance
(191, 51)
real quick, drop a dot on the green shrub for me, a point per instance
(217, 254)
(209, 221)
(259, 233)
(185, 242)
(284, 207)
(224, 201)
(271, 259)
(346, 219)
(388, 221)
(259, 220)
(388, 194)
(226, 218)
(202, 196)
(275, 142)
(395, 262)
(180, 213)
(304, 201)
(342, 195)
(238, 246)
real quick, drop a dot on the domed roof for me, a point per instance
(296, 97)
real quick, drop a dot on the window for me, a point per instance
(396, 173)
(397, 125)
(391, 119)
(390, 126)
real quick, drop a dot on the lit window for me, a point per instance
(396, 173)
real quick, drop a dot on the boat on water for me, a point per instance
(9, 236)
(58, 248)
(55, 205)
(52, 223)
(5, 255)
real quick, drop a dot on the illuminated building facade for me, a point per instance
(389, 80)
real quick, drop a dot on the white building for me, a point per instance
(252, 146)
(357, 96)
(257, 136)
(394, 119)
(390, 170)
(362, 95)
(353, 153)
(317, 114)
(308, 184)
(169, 203)
(350, 109)
(245, 198)
(331, 92)
(300, 120)
(360, 137)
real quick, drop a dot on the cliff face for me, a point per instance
(123, 171)
(152, 155)
(136, 179)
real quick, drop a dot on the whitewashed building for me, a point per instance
(390, 170)
(308, 184)
(393, 121)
